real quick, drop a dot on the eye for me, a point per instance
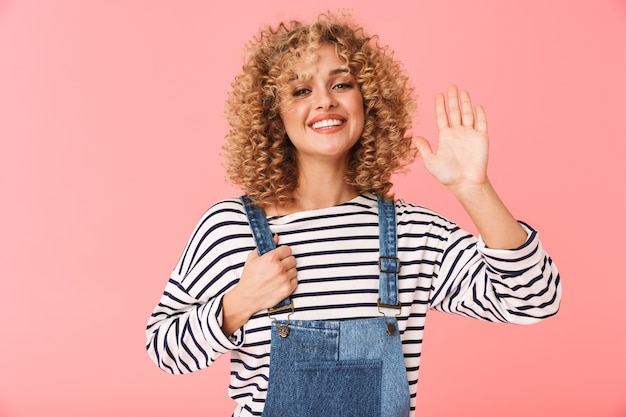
(301, 91)
(343, 86)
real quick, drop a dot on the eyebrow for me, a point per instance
(339, 71)
(331, 73)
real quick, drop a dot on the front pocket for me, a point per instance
(349, 388)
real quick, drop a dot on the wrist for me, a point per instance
(236, 311)
(472, 192)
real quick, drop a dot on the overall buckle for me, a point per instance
(391, 328)
(390, 262)
(283, 330)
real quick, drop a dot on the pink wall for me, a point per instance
(110, 125)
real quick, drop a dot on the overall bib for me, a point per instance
(338, 368)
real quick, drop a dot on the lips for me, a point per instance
(327, 122)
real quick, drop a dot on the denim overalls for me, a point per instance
(338, 368)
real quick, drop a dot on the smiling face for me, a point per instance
(323, 113)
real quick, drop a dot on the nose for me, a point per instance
(325, 99)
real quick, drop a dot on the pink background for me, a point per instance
(111, 125)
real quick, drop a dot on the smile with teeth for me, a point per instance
(327, 123)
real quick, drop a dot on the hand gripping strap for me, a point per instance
(388, 262)
(263, 237)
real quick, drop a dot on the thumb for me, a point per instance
(276, 239)
(423, 147)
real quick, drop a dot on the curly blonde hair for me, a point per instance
(260, 158)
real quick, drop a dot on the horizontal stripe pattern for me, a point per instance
(336, 249)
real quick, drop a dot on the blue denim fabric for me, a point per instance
(330, 368)
(338, 368)
(389, 264)
(263, 237)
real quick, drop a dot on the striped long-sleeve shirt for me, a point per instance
(336, 250)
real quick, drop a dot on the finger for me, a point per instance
(293, 274)
(423, 147)
(440, 112)
(289, 262)
(481, 119)
(276, 239)
(454, 112)
(293, 284)
(467, 113)
(280, 253)
(252, 255)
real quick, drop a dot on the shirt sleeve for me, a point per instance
(519, 286)
(184, 332)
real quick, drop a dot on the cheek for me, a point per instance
(359, 114)
(357, 105)
(291, 117)
(287, 120)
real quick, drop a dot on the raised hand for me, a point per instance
(463, 147)
(460, 163)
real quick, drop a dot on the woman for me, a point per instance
(318, 282)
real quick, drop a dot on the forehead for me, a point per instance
(324, 60)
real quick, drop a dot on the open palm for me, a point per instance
(463, 146)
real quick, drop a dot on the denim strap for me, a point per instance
(388, 262)
(263, 237)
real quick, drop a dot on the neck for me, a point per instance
(317, 188)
